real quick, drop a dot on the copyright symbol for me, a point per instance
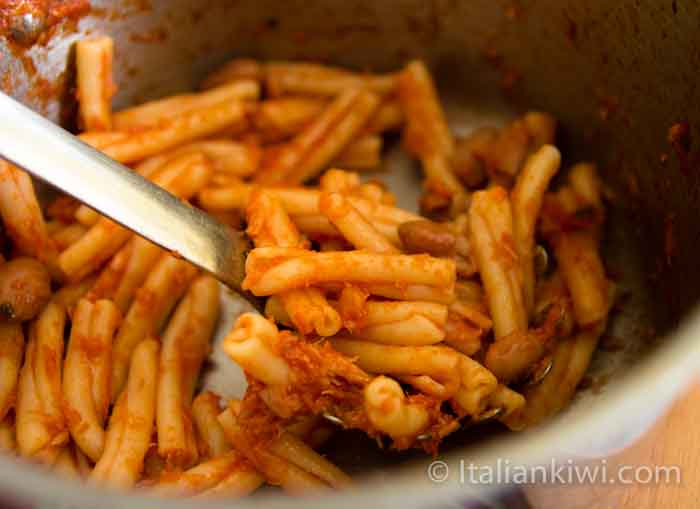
(438, 471)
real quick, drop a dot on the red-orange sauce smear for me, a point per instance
(50, 11)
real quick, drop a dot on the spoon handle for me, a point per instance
(54, 155)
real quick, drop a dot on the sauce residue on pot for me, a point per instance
(24, 21)
(510, 76)
(679, 139)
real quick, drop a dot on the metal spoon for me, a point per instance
(54, 155)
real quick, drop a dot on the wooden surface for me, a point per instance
(674, 440)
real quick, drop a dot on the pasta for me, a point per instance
(476, 387)
(203, 477)
(298, 202)
(152, 304)
(131, 422)
(491, 222)
(353, 226)
(205, 412)
(86, 377)
(583, 271)
(22, 216)
(286, 461)
(406, 327)
(229, 158)
(440, 363)
(321, 141)
(289, 447)
(185, 345)
(126, 272)
(69, 294)
(303, 205)
(570, 359)
(11, 351)
(427, 136)
(95, 86)
(388, 410)
(403, 323)
(278, 471)
(363, 154)
(270, 225)
(156, 113)
(282, 118)
(68, 235)
(279, 119)
(130, 147)
(41, 425)
(312, 79)
(527, 199)
(271, 270)
(239, 482)
(252, 346)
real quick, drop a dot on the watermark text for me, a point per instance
(556, 472)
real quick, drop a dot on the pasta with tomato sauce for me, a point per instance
(406, 326)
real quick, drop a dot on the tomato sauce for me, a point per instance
(25, 20)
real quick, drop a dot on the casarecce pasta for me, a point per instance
(406, 326)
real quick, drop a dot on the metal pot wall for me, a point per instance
(617, 75)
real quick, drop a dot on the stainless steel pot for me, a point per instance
(617, 75)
